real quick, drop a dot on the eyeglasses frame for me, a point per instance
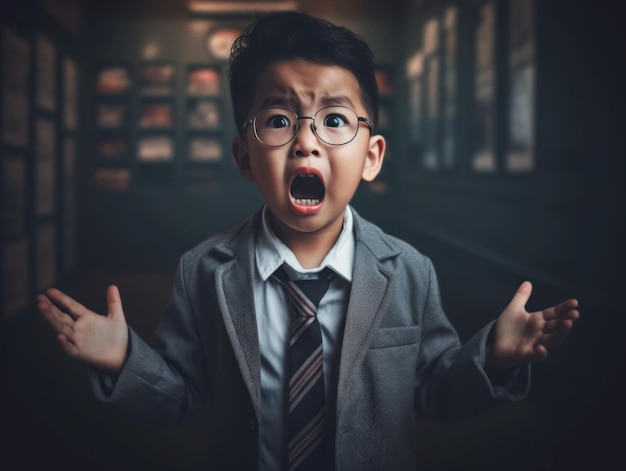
(360, 119)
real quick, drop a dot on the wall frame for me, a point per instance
(519, 157)
(483, 157)
(15, 93)
(156, 79)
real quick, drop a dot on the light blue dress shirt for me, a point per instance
(272, 316)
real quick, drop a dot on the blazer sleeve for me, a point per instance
(451, 381)
(165, 380)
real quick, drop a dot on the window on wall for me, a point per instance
(432, 86)
(415, 79)
(519, 155)
(471, 89)
(503, 134)
(449, 135)
(38, 109)
(483, 155)
(432, 74)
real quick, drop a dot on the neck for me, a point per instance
(309, 248)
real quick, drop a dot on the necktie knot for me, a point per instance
(305, 294)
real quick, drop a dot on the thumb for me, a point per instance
(114, 303)
(522, 295)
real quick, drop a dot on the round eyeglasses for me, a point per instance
(334, 125)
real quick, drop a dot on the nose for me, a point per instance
(306, 141)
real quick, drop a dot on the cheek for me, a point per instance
(268, 176)
(346, 175)
(264, 166)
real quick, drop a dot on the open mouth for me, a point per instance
(307, 189)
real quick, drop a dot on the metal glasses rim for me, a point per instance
(360, 119)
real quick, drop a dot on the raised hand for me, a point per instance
(100, 341)
(521, 337)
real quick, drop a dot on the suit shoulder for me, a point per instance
(222, 246)
(393, 246)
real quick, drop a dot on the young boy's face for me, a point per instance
(306, 168)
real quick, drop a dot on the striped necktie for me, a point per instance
(308, 444)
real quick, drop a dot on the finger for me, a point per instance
(52, 314)
(114, 302)
(535, 353)
(568, 318)
(557, 336)
(70, 305)
(521, 296)
(67, 346)
(540, 353)
(566, 308)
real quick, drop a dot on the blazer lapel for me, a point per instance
(233, 285)
(366, 308)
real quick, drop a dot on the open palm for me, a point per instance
(522, 337)
(100, 341)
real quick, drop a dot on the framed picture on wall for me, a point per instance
(202, 178)
(384, 115)
(15, 278)
(66, 13)
(384, 80)
(219, 41)
(450, 87)
(156, 79)
(155, 148)
(45, 255)
(70, 93)
(15, 96)
(45, 168)
(203, 81)
(203, 114)
(484, 119)
(521, 132)
(13, 196)
(432, 100)
(112, 179)
(414, 76)
(112, 148)
(205, 149)
(156, 115)
(46, 73)
(112, 115)
(69, 203)
(113, 80)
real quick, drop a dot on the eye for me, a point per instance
(277, 121)
(335, 120)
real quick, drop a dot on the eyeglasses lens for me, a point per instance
(335, 125)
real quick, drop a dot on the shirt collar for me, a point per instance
(271, 253)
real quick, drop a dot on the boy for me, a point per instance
(305, 100)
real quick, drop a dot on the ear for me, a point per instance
(374, 158)
(241, 155)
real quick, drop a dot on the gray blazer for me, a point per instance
(400, 358)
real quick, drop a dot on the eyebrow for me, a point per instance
(288, 102)
(272, 101)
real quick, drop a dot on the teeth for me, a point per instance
(307, 202)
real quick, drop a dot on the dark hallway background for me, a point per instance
(505, 123)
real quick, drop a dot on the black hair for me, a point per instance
(292, 35)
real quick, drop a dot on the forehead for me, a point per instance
(303, 85)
